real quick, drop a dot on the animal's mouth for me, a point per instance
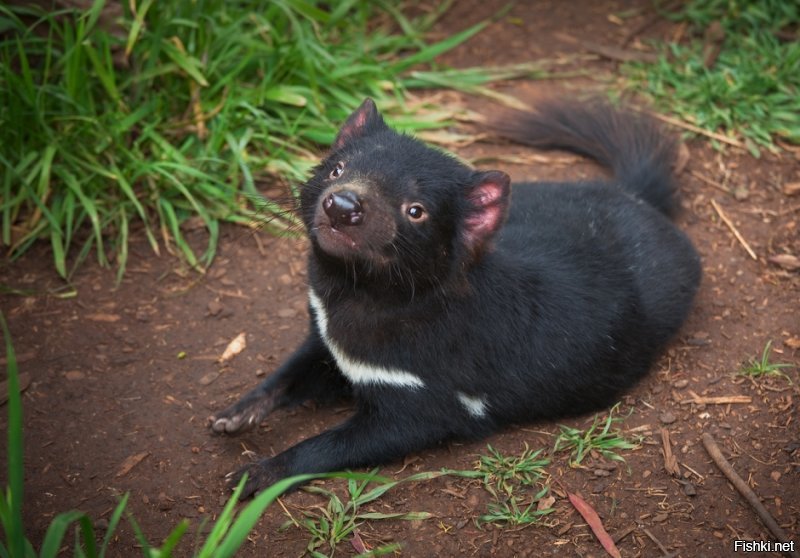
(353, 227)
(330, 236)
(337, 242)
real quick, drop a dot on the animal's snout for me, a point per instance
(343, 208)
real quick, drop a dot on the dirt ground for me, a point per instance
(124, 378)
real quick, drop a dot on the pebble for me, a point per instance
(775, 475)
(164, 502)
(667, 418)
(287, 313)
(214, 307)
(680, 384)
(208, 378)
(74, 375)
(142, 315)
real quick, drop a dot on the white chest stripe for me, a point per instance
(476, 406)
(356, 371)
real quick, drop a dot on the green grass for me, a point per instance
(502, 473)
(751, 92)
(189, 109)
(511, 480)
(330, 524)
(759, 368)
(518, 510)
(602, 436)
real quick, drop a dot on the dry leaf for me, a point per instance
(100, 317)
(130, 462)
(208, 378)
(546, 503)
(786, 261)
(791, 188)
(358, 543)
(793, 342)
(596, 525)
(234, 347)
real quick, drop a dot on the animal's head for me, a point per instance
(387, 207)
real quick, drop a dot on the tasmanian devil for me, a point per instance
(447, 311)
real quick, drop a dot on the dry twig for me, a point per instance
(710, 182)
(610, 52)
(741, 485)
(666, 553)
(733, 229)
(716, 400)
(670, 461)
(697, 130)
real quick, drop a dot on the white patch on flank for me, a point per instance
(356, 371)
(476, 406)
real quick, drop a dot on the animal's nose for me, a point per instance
(343, 208)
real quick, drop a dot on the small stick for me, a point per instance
(733, 229)
(700, 477)
(670, 461)
(696, 129)
(624, 533)
(720, 400)
(608, 51)
(739, 483)
(710, 182)
(666, 553)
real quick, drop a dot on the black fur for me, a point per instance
(487, 312)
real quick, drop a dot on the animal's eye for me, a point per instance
(337, 170)
(416, 212)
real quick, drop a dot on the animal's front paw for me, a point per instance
(242, 415)
(260, 475)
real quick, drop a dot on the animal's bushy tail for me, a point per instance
(631, 145)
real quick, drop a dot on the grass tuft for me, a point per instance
(182, 109)
(501, 473)
(759, 368)
(330, 524)
(744, 82)
(601, 436)
(510, 479)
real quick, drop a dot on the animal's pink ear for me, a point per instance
(364, 120)
(487, 207)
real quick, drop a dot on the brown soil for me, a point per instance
(131, 373)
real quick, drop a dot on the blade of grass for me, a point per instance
(137, 25)
(228, 539)
(113, 522)
(56, 531)
(12, 512)
(122, 249)
(430, 52)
